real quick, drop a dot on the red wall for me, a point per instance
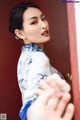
(57, 49)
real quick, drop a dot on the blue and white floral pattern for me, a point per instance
(33, 66)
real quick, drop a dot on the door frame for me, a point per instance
(73, 58)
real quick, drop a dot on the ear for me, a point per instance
(19, 33)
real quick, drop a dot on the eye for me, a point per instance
(34, 22)
(44, 18)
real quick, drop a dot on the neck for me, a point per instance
(41, 45)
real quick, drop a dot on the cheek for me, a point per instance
(33, 30)
(47, 23)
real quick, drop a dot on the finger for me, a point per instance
(69, 112)
(51, 81)
(55, 80)
(45, 96)
(62, 104)
(57, 93)
(62, 84)
(52, 103)
(38, 91)
(44, 85)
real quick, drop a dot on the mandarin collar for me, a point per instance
(31, 47)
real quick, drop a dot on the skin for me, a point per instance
(34, 24)
(55, 82)
(50, 107)
(53, 97)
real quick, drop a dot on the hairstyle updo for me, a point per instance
(16, 16)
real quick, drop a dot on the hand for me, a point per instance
(49, 107)
(54, 81)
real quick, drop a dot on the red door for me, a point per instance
(74, 58)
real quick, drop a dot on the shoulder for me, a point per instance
(39, 56)
(39, 64)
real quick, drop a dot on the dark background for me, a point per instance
(57, 50)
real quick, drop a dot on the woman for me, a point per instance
(29, 24)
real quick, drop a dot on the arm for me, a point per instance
(37, 67)
(49, 107)
(38, 70)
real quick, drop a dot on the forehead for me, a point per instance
(31, 12)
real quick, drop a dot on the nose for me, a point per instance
(43, 24)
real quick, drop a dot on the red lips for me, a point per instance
(45, 32)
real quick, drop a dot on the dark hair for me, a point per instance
(16, 17)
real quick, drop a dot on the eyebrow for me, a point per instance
(35, 17)
(32, 18)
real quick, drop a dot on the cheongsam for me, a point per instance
(33, 66)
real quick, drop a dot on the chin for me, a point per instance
(48, 39)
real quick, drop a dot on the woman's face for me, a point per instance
(35, 27)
